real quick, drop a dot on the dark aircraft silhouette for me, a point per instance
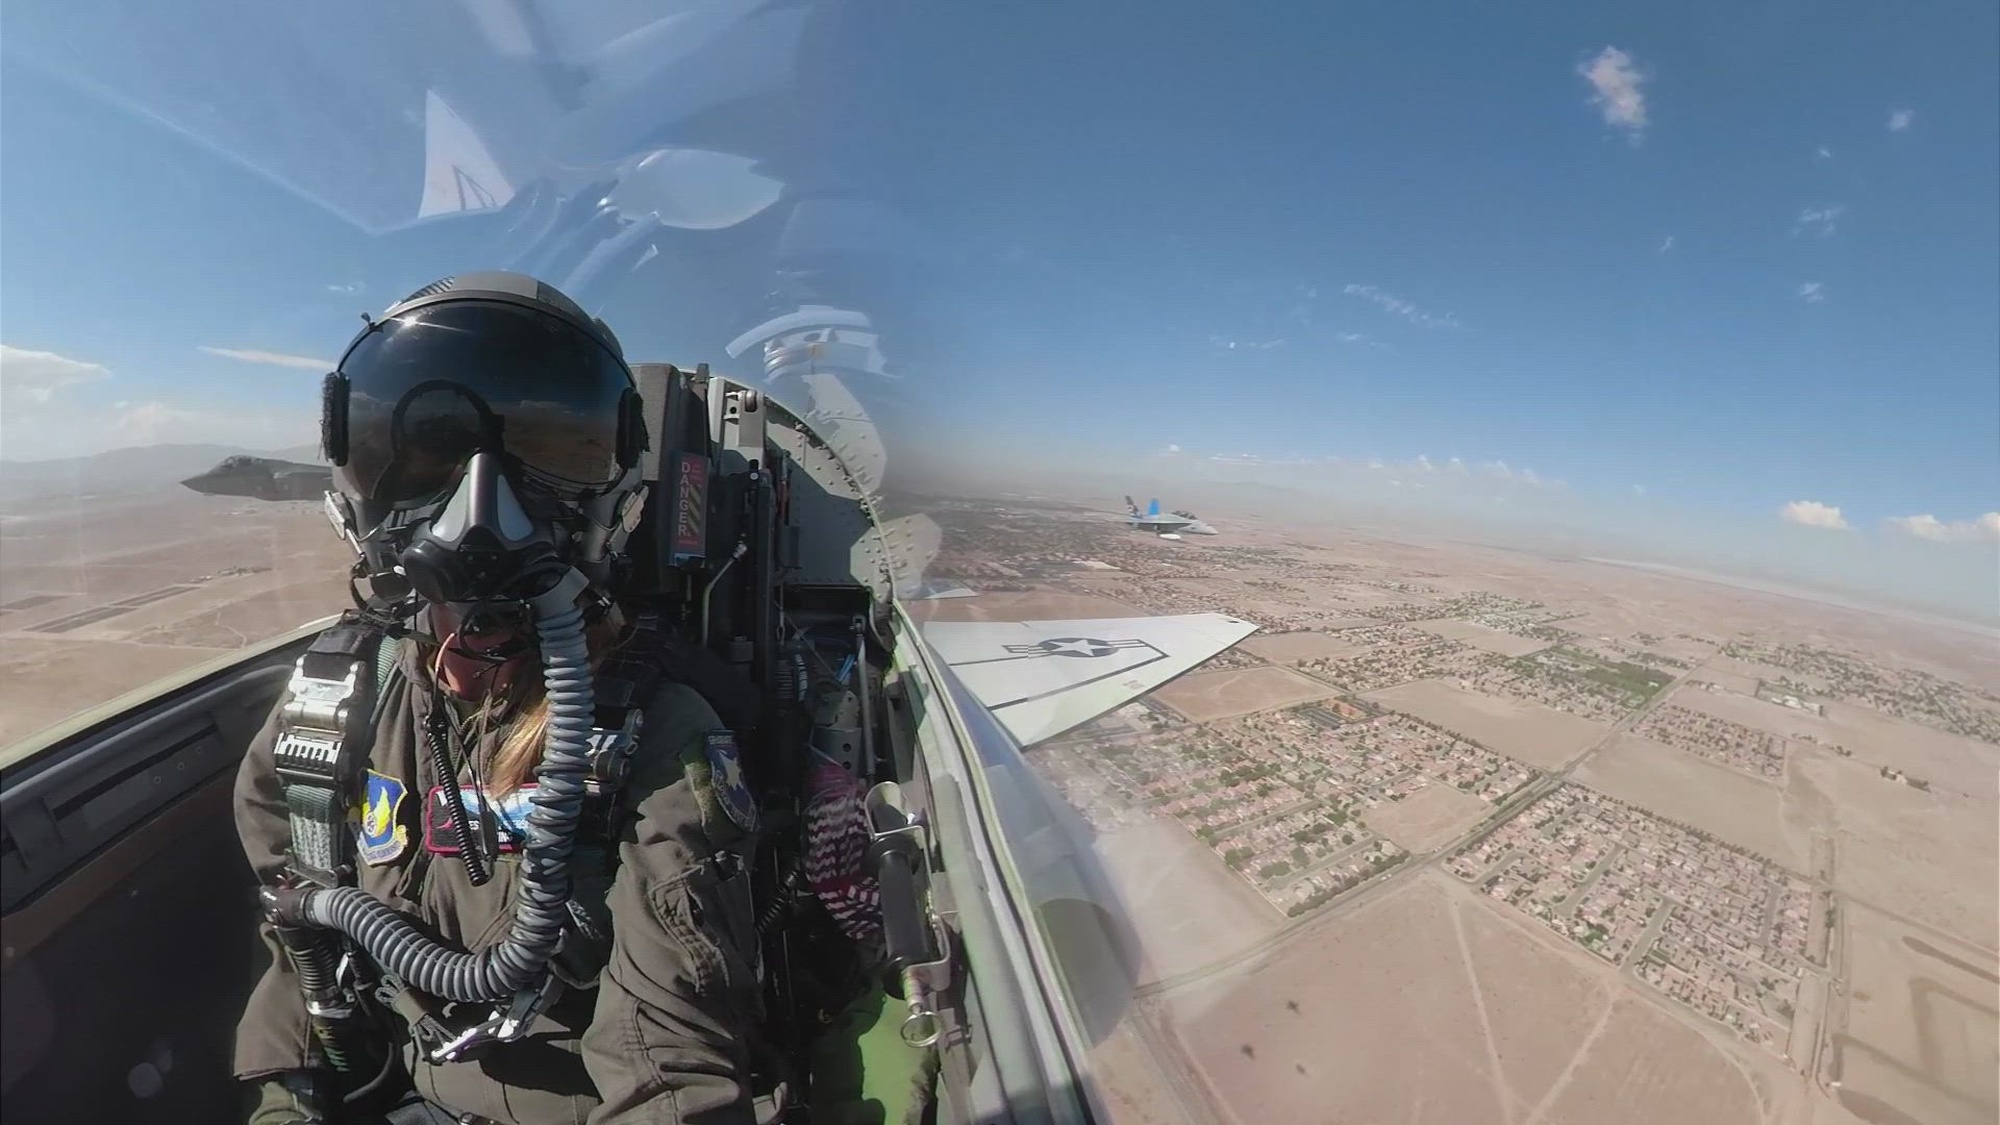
(263, 478)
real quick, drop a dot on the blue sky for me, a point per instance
(1737, 259)
(1465, 174)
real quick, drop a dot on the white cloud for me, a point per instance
(1823, 153)
(150, 423)
(1813, 292)
(1424, 463)
(1638, 490)
(1455, 466)
(1229, 345)
(276, 359)
(1812, 513)
(1500, 470)
(1667, 245)
(349, 288)
(1171, 449)
(1396, 306)
(1614, 81)
(1901, 119)
(29, 379)
(1819, 222)
(1374, 462)
(1982, 528)
(53, 408)
(84, 429)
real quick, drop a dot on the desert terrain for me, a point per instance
(1735, 808)
(1207, 696)
(1523, 729)
(1920, 1035)
(102, 595)
(1529, 839)
(1427, 1006)
(1171, 890)
(1461, 835)
(1428, 818)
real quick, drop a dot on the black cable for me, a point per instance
(783, 897)
(447, 778)
(489, 832)
(389, 1060)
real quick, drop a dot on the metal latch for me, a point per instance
(912, 936)
(505, 1025)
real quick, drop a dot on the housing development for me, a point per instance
(1429, 753)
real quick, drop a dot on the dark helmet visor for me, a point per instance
(426, 390)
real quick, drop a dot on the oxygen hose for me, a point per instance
(543, 891)
(313, 958)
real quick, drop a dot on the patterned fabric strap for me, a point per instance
(836, 842)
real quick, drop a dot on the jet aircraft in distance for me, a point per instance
(263, 478)
(1007, 950)
(1171, 525)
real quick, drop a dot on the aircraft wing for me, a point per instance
(939, 589)
(1041, 678)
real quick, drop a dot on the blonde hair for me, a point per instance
(523, 712)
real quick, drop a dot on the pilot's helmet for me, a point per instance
(482, 362)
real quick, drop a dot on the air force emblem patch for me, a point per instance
(381, 831)
(732, 793)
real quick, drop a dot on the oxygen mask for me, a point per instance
(482, 546)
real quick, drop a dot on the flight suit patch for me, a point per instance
(382, 834)
(731, 792)
(510, 818)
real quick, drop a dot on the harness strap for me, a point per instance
(324, 729)
(625, 683)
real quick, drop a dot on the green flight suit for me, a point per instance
(665, 1037)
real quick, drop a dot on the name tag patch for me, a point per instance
(509, 813)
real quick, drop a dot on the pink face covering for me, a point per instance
(460, 667)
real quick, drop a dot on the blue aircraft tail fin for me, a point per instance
(1152, 507)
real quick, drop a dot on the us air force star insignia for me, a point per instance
(381, 830)
(1080, 647)
(731, 791)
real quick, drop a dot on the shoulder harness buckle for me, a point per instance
(325, 726)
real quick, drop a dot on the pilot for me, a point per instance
(484, 435)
